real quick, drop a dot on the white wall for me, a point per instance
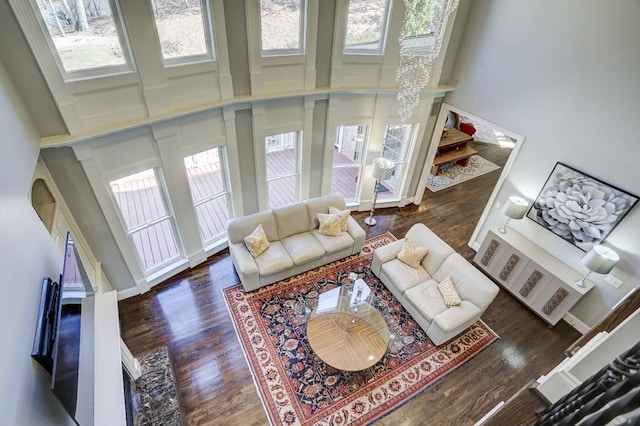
(565, 76)
(27, 254)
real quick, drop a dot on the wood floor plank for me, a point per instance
(188, 314)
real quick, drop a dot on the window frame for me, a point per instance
(95, 72)
(298, 165)
(361, 164)
(413, 137)
(224, 164)
(169, 216)
(380, 51)
(209, 39)
(304, 14)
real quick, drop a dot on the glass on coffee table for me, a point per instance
(345, 329)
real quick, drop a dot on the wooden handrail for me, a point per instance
(619, 313)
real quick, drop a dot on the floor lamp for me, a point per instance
(382, 170)
(599, 259)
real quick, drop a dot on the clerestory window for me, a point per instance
(283, 27)
(367, 23)
(87, 36)
(184, 30)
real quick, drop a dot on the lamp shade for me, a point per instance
(600, 259)
(515, 207)
(382, 169)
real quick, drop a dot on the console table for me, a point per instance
(453, 148)
(536, 278)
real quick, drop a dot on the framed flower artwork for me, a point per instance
(580, 208)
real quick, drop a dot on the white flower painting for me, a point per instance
(578, 207)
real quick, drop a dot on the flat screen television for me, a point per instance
(75, 287)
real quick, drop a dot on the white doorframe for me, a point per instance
(431, 153)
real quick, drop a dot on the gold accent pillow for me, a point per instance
(329, 224)
(449, 292)
(412, 254)
(257, 241)
(344, 217)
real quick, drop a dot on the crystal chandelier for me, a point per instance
(420, 44)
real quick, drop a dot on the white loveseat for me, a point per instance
(295, 246)
(417, 288)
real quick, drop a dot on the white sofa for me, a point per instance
(295, 246)
(417, 288)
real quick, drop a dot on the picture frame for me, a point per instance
(579, 208)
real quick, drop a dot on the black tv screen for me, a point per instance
(75, 287)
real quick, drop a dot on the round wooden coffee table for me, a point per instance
(346, 338)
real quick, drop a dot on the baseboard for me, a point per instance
(197, 258)
(574, 322)
(130, 292)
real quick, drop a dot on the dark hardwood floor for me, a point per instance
(188, 314)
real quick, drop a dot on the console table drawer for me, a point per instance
(531, 282)
(530, 274)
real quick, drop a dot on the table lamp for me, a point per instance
(514, 208)
(599, 259)
(382, 170)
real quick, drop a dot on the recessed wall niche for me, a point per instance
(43, 202)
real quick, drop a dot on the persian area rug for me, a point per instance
(297, 388)
(453, 174)
(154, 396)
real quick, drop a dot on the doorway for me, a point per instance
(490, 136)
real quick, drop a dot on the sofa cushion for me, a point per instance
(427, 300)
(303, 248)
(344, 217)
(438, 249)
(449, 293)
(403, 276)
(321, 205)
(291, 219)
(464, 314)
(240, 227)
(330, 224)
(412, 254)
(471, 284)
(274, 260)
(256, 242)
(333, 244)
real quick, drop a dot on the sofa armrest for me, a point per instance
(246, 266)
(357, 233)
(385, 254)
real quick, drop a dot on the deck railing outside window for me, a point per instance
(348, 154)
(146, 218)
(208, 180)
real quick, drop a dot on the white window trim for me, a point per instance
(303, 34)
(95, 72)
(222, 154)
(383, 36)
(298, 157)
(361, 164)
(415, 132)
(169, 216)
(209, 38)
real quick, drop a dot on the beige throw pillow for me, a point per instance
(329, 224)
(412, 254)
(449, 292)
(344, 217)
(257, 241)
